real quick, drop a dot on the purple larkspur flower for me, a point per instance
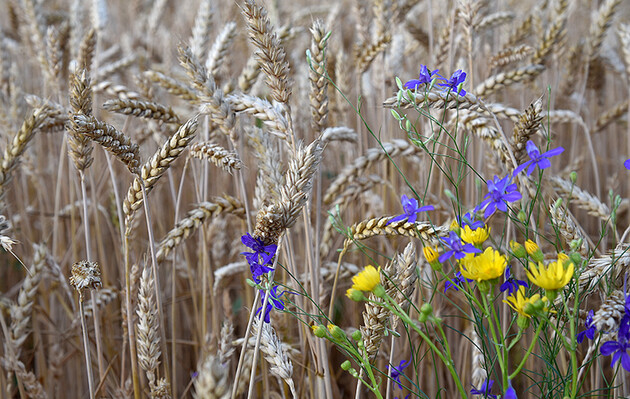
(510, 393)
(260, 257)
(274, 302)
(468, 219)
(396, 372)
(456, 282)
(484, 389)
(590, 328)
(500, 192)
(425, 77)
(454, 82)
(410, 207)
(511, 284)
(457, 248)
(537, 159)
(626, 164)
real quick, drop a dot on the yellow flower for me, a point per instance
(534, 250)
(367, 279)
(518, 301)
(486, 266)
(430, 254)
(552, 277)
(475, 237)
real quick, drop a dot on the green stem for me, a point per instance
(497, 344)
(391, 305)
(529, 351)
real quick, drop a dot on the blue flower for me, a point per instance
(468, 220)
(511, 284)
(426, 76)
(274, 302)
(396, 372)
(484, 389)
(457, 281)
(510, 393)
(590, 328)
(537, 159)
(500, 192)
(626, 164)
(619, 348)
(457, 248)
(410, 206)
(453, 83)
(260, 257)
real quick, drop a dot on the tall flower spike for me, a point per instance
(537, 159)
(500, 192)
(410, 206)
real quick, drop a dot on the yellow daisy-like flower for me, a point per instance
(367, 279)
(551, 277)
(430, 254)
(486, 266)
(518, 301)
(475, 237)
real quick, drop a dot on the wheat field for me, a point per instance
(148, 146)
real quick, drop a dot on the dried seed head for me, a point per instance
(84, 275)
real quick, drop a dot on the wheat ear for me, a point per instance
(142, 109)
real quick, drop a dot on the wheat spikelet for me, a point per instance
(85, 275)
(86, 50)
(599, 27)
(106, 71)
(226, 160)
(339, 133)
(54, 48)
(249, 75)
(33, 18)
(270, 177)
(271, 55)
(219, 50)
(226, 349)
(204, 211)
(22, 310)
(212, 380)
(317, 75)
(445, 40)
(404, 278)
(553, 35)
(142, 109)
(274, 352)
(364, 55)
(611, 115)
(12, 152)
(510, 55)
(567, 226)
(201, 28)
(110, 138)
(614, 264)
(624, 37)
(173, 86)
(226, 271)
(31, 383)
(116, 90)
(479, 374)
(493, 20)
(608, 317)
(439, 100)
(378, 226)
(243, 381)
(375, 320)
(156, 166)
(583, 199)
(272, 117)
(393, 149)
(527, 126)
(148, 337)
(503, 79)
(79, 145)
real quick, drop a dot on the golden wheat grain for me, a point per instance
(201, 29)
(613, 265)
(378, 227)
(494, 20)
(553, 35)
(272, 117)
(509, 55)
(110, 138)
(583, 199)
(271, 54)
(212, 380)
(187, 226)
(86, 50)
(116, 90)
(219, 50)
(503, 79)
(612, 115)
(156, 166)
(148, 337)
(527, 126)
(106, 71)
(365, 55)
(623, 31)
(564, 221)
(79, 145)
(226, 160)
(173, 86)
(608, 317)
(599, 27)
(142, 109)
(318, 94)
(433, 99)
(339, 133)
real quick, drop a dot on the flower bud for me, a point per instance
(573, 177)
(346, 365)
(426, 309)
(575, 244)
(319, 331)
(336, 332)
(355, 295)
(522, 216)
(534, 251)
(518, 250)
(529, 309)
(522, 322)
(356, 335)
(551, 294)
(576, 258)
(379, 291)
(423, 317)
